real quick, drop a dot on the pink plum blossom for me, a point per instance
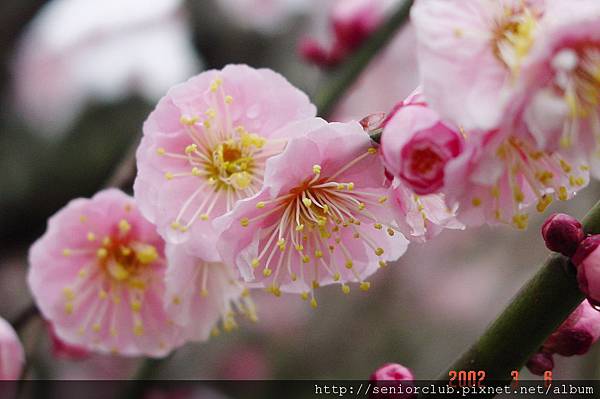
(74, 52)
(471, 54)
(421, 217)
(416, 145)
(97, 274)
(498, 177)
(562, 81)
(12, 356)
(199, 294)
(320, 217)
(205, 147)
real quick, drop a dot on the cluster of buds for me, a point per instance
(575, 336)
(388, 376)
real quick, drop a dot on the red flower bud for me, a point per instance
(384, 376)
(541, 362)
(575, 335)
(562, 233)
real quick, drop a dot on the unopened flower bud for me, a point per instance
(562, 233)
(387, 376)
(587, 260)
(577, 334)
(541, 362)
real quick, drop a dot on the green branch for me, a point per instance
(340, 79)
(537, 310)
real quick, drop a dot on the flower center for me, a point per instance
(310, 232)
(514, 35)
(424, 161)
(577, 80)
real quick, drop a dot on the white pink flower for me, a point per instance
(97, 274)
(205, 147)
(75, 52)
(320, 217)
(199, 294)
(12, 356)
(561, 84)
(471, 53)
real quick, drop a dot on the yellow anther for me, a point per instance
(168, 175)
(206, 124)
(228, 99)
(117, 271)
(214, 332)
(313, 303)
(307, 202)
(391, 232)
(96, 327)
(543, 203)
(83, 218)
(188, 120)
(361, 206)
(495, 192)
(349, 264)
(255, 262)
(325, 209)
(160, 151)
(382, 199)
(476, 201)
(204, 293)
(214, 86)
(124, 226)
(378, 251)
(304, 296)
(382, 263)
(82, 273)
(518, 195)
(365, 285)
(68, 308)
(306, 259)
(102, 253)
(106, 241)
(244, 222)
(204, 216)
(138, 330)
(125, 251)
(260, 205)
(102, 294)
(565, 166)
(520, 221)
(315, 284)
(378, 226)
(563, 194)
(136, 305)
(345, 289)
(299, 247)
(337, 277)
(147, 255)
(318, 254)
(300, 227)
(372, 150)
(293, 277)
(191, 149)
(66, 252)
(176, 300)
(211, 113)
(91, 236)
(267, 272)
(69, 294)
(350, 186)
(317, 169)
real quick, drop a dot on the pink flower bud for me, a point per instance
(311, 51)
(541, 362)
(384, 376)
(577, 334)
(587, 260)
(562, 233)
(417, 145)
(12, 356)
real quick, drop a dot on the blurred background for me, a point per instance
(78, 78)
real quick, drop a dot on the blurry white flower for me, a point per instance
(264, 15)
(76, 50)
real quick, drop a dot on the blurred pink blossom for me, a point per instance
(244, 362)
(322, 204)
(76, 51)
(205, 147)
(12, 356)
(199, 294)
(97, 275)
